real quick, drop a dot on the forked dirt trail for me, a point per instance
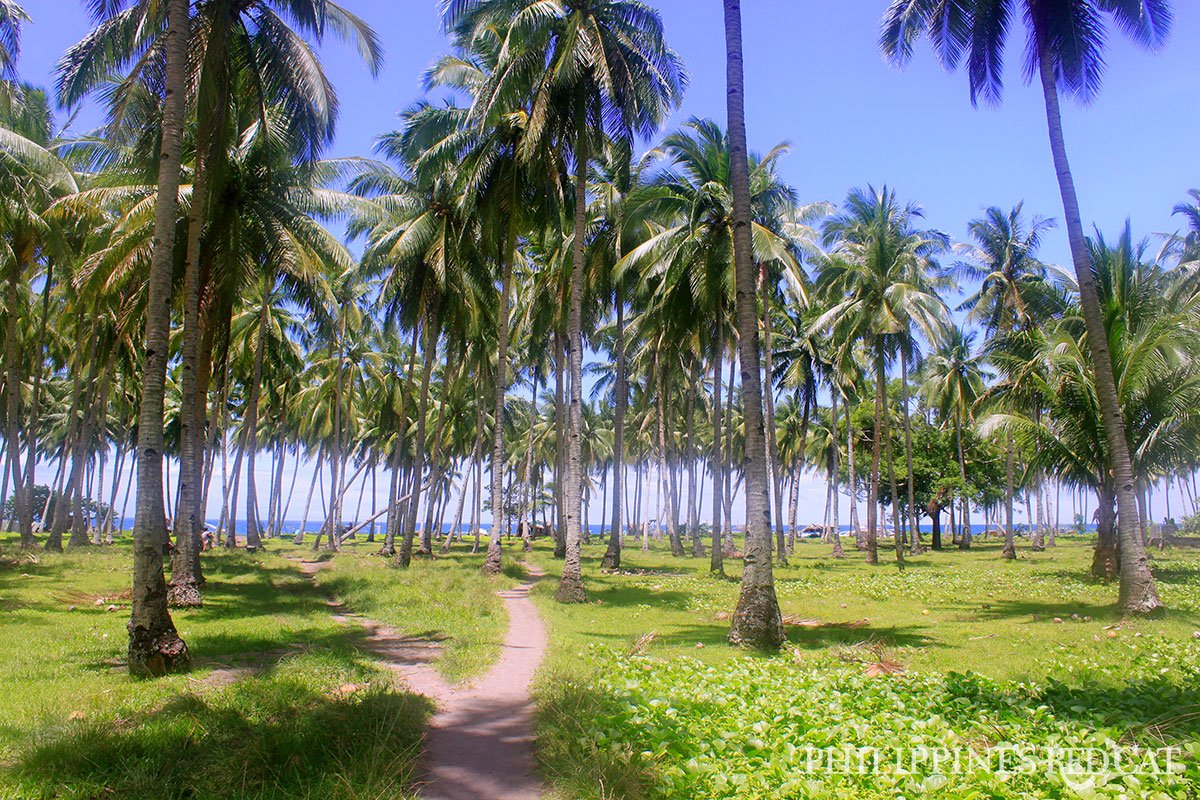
(480, 742)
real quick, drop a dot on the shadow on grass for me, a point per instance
(831, 635)
(1154, 712)
(611, 593)
(262, 738)
(1036, 611)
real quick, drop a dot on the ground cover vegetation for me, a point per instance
(183, 314)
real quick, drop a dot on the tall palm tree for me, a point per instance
(510, 188)
(1153, 343)
(592, 68)
(421, 243)
(953, 385)
(1065, 45)
(877, 281)
(687, 262)
(32, 177)
(756, 620)
(617, 188)
(254, 50)
(1013, 294)
(154, 646)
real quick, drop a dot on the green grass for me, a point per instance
(283, 701)
(615, 725)
(446, 598)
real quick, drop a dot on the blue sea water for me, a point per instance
(291, 526)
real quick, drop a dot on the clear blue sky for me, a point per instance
(815, 78)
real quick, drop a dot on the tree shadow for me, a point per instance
(830, 635)
(1038, 611)
(623, 596)
(1155, 712)
(263, 737)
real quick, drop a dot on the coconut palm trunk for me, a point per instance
(876, 446)
(250, 421)
(493, 562)
(337, 458)
(756, 620)
(560, 444)
(914, 518)
(729, 491)
(835, 533)
(612, 555)
(438, 459)
(419, 458)
(769, 408)
(1010, 542)
(527, 532)
(154, 645)
(1138, 594)
(860, 542)
(184, 590)
(664, 467)
(570, 584)
(897, 528)
(693, 520)
(717, 563)
(25, 523)
(12, 390)
(964, 539)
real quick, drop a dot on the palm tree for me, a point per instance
(421, 244)
(877, 283)
(686, 260)
(953, 385)
(154, 646)
(245, 50)
(1152, 340)
(621, 219)
(1065, 44)
(756, 620)
(12, 17)
(509, 187)
(31, 178)
(1013, 294)
(592, 68)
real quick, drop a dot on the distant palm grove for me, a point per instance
(532, 303)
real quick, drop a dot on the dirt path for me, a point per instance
(480, 743)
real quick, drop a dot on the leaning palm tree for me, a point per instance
(1065, 44)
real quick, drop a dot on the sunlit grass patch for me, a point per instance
(446, 598)
(694, 717)
(283, 701)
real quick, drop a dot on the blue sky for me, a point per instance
(815, 78)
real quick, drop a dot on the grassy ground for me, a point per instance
(1035, 633)
(283, 702)
(446, 598)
